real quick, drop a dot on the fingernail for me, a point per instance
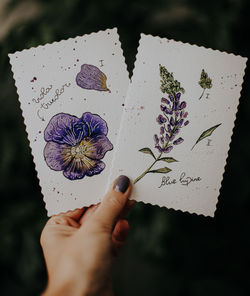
(121, 184)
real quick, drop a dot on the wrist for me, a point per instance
(66, 288)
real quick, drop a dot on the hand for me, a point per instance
(80, 246)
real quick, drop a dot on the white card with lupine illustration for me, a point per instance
(177, 124)
(72, 94)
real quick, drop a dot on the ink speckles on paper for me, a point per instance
(92, 78)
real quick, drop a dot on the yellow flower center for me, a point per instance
(80, 150)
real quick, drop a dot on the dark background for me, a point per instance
(168, 252)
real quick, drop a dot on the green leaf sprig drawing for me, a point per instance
(206, 134)
(171, 120)
(205, 82)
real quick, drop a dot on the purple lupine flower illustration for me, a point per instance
(171, 121)
(75, 145)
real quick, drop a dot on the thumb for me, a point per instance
(113, 203)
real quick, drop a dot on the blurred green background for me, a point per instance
(168, 252)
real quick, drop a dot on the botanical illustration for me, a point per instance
(171, 120)
(75, 145)
(205, 82)
(206, 134)
(91, 77)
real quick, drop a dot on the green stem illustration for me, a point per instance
(202, 94)
(158, 158)
(148, 169)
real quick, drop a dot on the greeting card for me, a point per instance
(72, 93)
(177, 123)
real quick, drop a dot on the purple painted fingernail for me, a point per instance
(121, 184)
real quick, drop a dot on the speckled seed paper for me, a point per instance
(177, 124)
(72, 94)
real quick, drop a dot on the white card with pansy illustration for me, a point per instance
(177, 123)
(72, 94)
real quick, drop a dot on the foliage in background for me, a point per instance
(168, 252)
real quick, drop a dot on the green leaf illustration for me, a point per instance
(164, 170)
(168, 159)
(206, 134)
(147, 151)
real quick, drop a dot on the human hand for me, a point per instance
(80, 246)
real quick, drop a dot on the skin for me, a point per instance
(80, 246)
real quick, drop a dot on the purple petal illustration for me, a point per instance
(179, 124)
(160, 119)
(65, 129)
(186, 122)
(57, 156)
(164, 100)
(168, 111)
(90, 77)
(172, 137)
(177, 96)
(176, 131)
(182, 105)
(95, 123)
(158, 147)
(162, 130)
(79, 169)
(168, 149)
(171, 98)
(76, 145)
(156, 139)
(178, 141)
(163, 108)
(172, 121)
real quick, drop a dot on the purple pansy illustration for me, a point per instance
(172, 119)
(75, 145)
